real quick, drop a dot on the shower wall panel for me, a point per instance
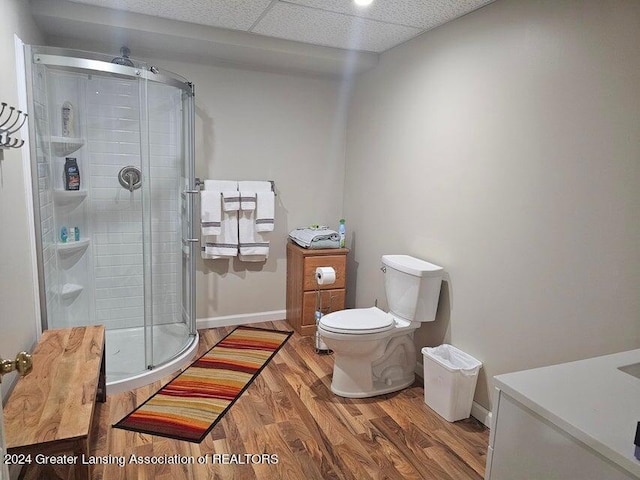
(113, 139)
(113, 142)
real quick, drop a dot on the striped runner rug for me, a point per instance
(190, 405)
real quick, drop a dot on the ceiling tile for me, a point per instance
(233, 14)
(322, 27)
(423, 14)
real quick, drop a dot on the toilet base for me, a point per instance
(379, 388)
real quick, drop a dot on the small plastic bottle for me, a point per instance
(342, 231)
(67, 120)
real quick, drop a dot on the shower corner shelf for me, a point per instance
(63, 146)
(68, 249)
(68, 197)
(70, 291)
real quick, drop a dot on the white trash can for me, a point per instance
(450, 378)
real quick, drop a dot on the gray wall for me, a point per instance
(17, 292)
(253, 125)
(505, 146)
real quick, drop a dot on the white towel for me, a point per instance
(210, 212)
(251, 242)
(220, 185)
(224, 245)
(247, 200)
(254, 186)
(231, 200)
(265, 211)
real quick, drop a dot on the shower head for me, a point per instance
(123, 59)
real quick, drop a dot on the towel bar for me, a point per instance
(200, 185)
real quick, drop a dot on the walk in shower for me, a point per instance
(119, 250)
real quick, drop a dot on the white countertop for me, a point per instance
(590, 399)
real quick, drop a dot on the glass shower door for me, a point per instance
(190, 240)
(167, 209)
(132, 266)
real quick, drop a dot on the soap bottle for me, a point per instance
(342, 231)
(71, 174)
(67, 119)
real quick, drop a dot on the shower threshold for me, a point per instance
(125, 356)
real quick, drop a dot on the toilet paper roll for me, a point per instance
(325, 275)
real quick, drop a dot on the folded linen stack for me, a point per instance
(254, 247)
(219, 237)
(315, 237)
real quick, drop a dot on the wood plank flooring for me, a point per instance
(289, 414)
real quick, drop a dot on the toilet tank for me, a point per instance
(412, 287)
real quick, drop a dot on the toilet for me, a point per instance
(373, 350)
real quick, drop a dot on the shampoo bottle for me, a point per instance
(67, 119)
(71, 174)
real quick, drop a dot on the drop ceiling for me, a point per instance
(332, 23)
(317, 37)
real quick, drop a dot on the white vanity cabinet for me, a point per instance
(574, 421)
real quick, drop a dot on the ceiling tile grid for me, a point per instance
(231, 14)
(333, 23)
(423, 14)
(322, 27)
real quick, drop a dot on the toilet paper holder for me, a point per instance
(324, 276)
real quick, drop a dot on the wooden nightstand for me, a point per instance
(301, 285)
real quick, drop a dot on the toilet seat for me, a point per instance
(357, 321)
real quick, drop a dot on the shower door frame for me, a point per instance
(64, 59)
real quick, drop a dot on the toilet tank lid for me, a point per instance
(412, 266)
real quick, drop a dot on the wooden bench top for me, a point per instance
(54, 403)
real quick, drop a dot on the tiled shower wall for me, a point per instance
(113, 141)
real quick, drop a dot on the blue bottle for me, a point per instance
(342, 231)
(63, 235)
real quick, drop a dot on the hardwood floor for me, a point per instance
(289, 414)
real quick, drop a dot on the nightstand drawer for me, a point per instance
(337, 262)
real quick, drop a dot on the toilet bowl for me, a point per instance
(373, 350)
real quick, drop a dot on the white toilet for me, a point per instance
(374, 351)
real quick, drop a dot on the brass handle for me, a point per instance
(23, 364)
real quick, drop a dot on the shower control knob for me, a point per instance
(130, 178)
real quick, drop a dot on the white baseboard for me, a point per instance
(241, 319)
(477, 411)
(481, 414)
